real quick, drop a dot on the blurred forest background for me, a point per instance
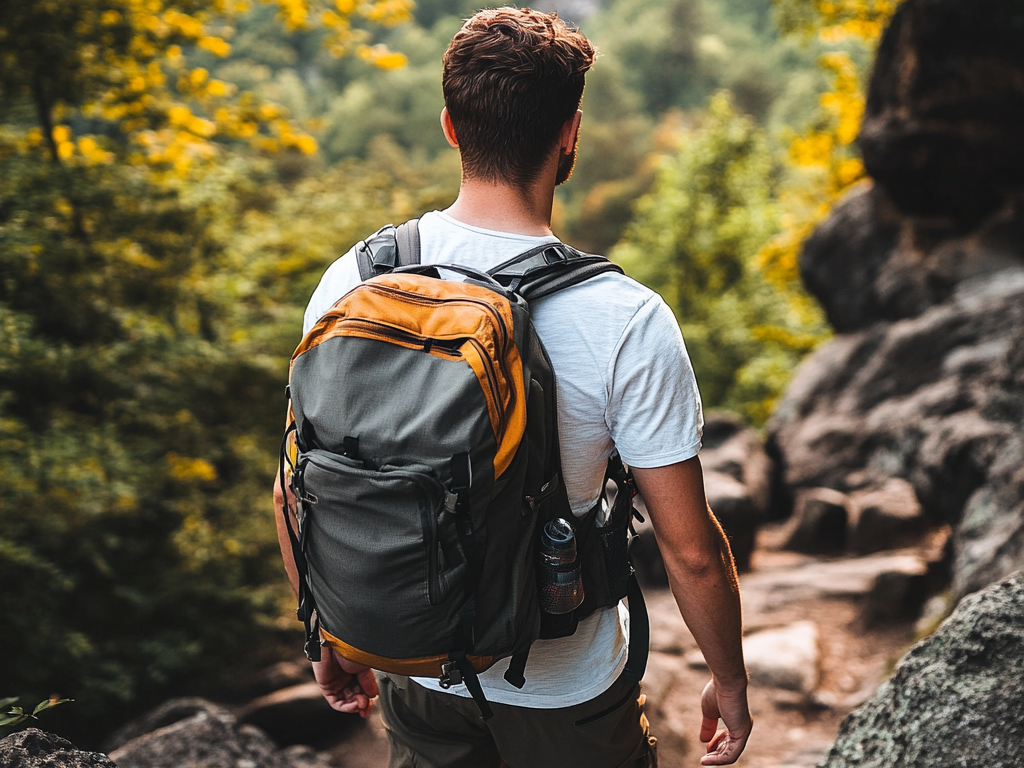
(176, 174)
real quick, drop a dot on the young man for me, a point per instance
(513, 81)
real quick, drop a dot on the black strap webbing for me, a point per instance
(516, 673)
(639, 631)
(306, 611)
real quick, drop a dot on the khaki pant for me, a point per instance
(429, 729)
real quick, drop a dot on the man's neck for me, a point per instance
(505, 208)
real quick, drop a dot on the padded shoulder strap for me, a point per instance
(548, 268)
(407, 238)
(387, 248)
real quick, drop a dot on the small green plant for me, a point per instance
(16, 715)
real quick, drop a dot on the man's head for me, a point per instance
(512, 79)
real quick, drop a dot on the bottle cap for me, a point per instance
(557, 534)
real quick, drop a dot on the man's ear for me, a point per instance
(570, 134)
(448, 128)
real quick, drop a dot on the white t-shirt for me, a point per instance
(624, 381)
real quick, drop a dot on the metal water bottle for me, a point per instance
(558, 571)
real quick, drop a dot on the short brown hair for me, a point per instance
(512, 78)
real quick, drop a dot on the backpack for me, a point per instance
(424, 455)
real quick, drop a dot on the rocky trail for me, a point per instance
(821, 634)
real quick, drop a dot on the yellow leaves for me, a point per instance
(381, 57)
(178, 115)
(190, 470)
(110, 18)
(215, 45)
(92, 152)
(183, 24)
(219, 88)
(345, 7)
(201, 127)
(198, 76)
(294, 14)
(306, 145)
(331, 20)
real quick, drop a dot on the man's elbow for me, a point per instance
(709, 559)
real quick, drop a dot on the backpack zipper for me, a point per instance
(384, 332)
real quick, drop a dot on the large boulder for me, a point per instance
(32, 748)
(945, 105)
(955, 699)
(931, 401)
(298, 714)
(195, 733)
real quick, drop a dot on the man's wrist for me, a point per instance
(731, 685)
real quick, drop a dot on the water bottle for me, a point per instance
(558, 572)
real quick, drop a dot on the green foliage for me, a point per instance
(695, 238)
(136, 443)
(15, 716)
(662, 59)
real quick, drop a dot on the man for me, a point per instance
(513, 81)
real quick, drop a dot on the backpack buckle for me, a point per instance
(450, 675)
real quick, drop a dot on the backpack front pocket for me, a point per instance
(383, 555)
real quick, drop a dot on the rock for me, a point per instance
(931, 401)
(850, 248)
(945, 103)
(786, 657)
(734, 449)
(869, 263)
(735, 509)
(955, 698)
(885, 517)
(207, 740)
(819, 522)
(195, 733)
(737, 480)
(33, 748)
(298, 714)
(895, 597)
(303, 756)
(168, 713)
(989, 543)
(851, 577)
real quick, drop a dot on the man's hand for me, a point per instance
(725, 746)
(347, 686)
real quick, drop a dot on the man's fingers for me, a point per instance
(708, 726)
(368, 682)
(724, 749)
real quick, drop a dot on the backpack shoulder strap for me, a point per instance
(548, 268)
(387, 248)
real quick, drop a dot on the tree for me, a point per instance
(695, 237)
(142, 351)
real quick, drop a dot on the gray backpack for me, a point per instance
(424, 458)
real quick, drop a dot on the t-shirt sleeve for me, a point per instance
(654, 410)
(339, 279)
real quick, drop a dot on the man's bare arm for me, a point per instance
(704, 583)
